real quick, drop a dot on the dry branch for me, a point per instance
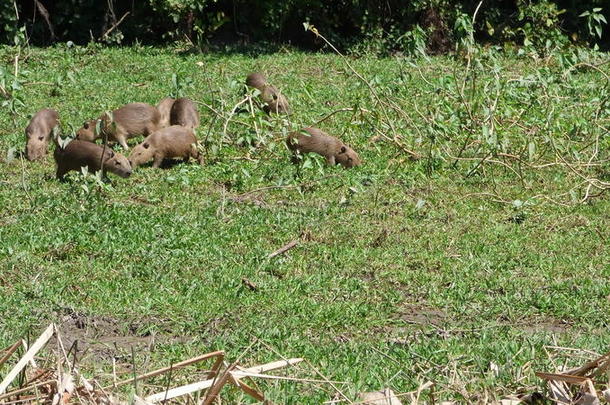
(173, 367)
(29, 355)
(9, 352)
(202, 385)
(284, 248)
(114, 26)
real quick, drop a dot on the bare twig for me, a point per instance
(105, 34)
(9, 351)
(174, 367)
(38, 344)
(284, 248)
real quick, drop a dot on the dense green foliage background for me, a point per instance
(357, 25)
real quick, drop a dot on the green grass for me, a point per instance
(382, 290)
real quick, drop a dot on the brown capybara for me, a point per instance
(318, 141)
(171, 142)
(39, 132)
(129, 121)
(275, 101)
(164, 107)
(77, 154)
(184, 113)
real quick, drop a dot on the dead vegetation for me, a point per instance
(52, 376)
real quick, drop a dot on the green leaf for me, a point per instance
(10, 155)
(531, 149)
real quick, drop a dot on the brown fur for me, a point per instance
(164, 107)
(275, 101)
(184, 113)
(79, 154)
(171, 142)
(318, 141)
(129, 121)
(39, 132)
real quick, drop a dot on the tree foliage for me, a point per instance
(357, 25)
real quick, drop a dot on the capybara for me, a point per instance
(164, 107)
(275, 101)
(184, 113)
(129, 121)
(77, 154)
(318, 141)
(39, 132)
(171, 142)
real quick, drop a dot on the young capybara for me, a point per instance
(164, 107)
(129, 121)
(171, 142)
(79, 154)
(275, 101)
(318, 141)
(39, 132)
(184, 113)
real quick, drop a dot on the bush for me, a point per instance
(359, 25)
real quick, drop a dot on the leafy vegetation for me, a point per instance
(356, 25)
(474, 235)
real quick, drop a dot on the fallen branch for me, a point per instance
(338, 111)
(584, 369)
(9, 352)
(173, 367)
(28, 388)
(202, 385)
(29, 355)
(284, 248)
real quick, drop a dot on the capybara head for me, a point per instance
(87, 132)
(256, 80)
(347, 157)
(118, 164)
(141, 154)
(36, 146)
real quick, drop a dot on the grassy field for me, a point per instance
(467, 265)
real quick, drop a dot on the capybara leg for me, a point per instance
(123, 143)
(158, 160)
(121, 138)
(149, 129)
(194, 153)
(198, 156)
(330, 160)
(60, 173)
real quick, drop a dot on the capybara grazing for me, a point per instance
(129, 121)
(171, 142)
(164, 107)
(184, 113)
(39, 132)
(318, 141)
(275, 101)
(79, 154)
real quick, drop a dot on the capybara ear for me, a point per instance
(146, 145)
(343, 149)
